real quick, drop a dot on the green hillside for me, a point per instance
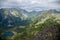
(20, 30)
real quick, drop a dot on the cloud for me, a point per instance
(57, 2)
(31, 4)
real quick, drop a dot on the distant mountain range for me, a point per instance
(11, 17)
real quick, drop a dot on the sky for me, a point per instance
(30, 5)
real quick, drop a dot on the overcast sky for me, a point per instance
(31, 4)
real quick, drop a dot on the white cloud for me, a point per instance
(31, 4)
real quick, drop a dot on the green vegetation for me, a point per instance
(24, 32)
(38, 25)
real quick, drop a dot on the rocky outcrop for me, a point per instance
(51, 33)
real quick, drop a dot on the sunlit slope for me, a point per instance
(14, 12)
(45, 17)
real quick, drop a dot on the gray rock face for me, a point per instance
(51, 33)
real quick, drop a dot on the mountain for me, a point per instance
(23, 25)
(52, 11)
(46, 27)
(12, 17)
